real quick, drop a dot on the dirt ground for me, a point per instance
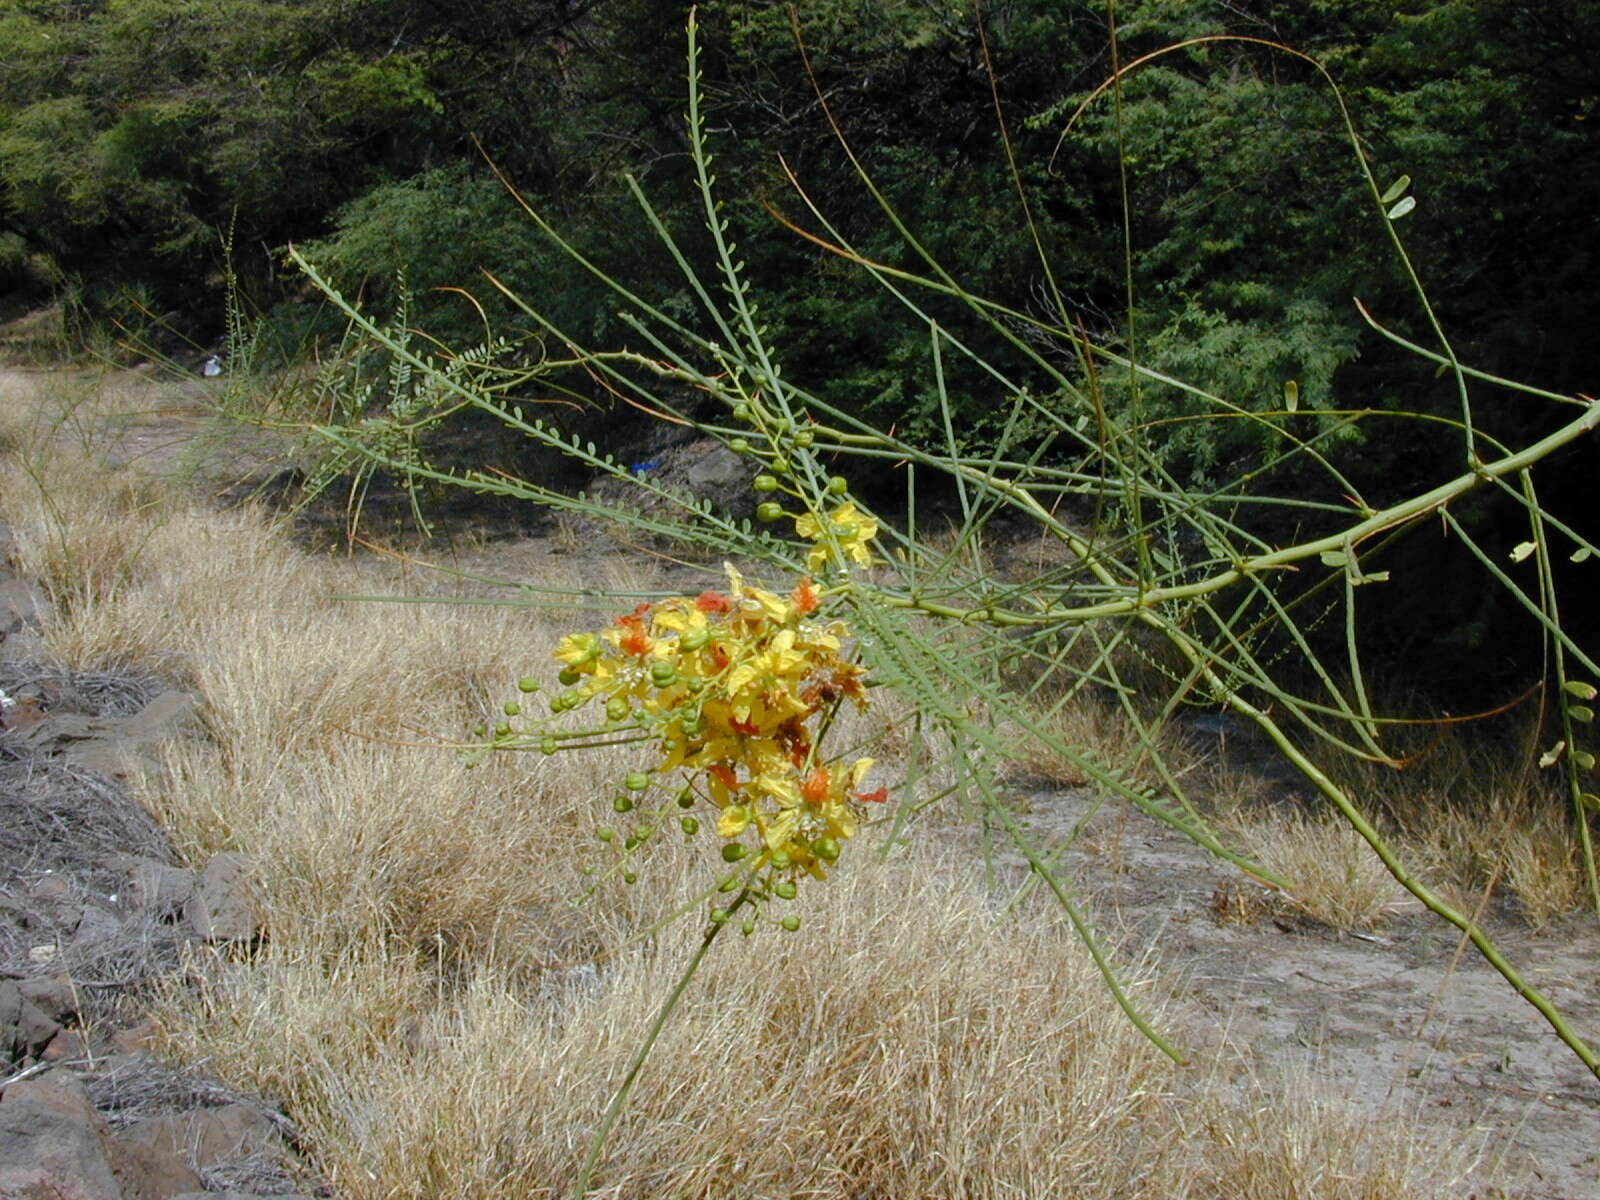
(1404, 1020)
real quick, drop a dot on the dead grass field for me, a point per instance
(445, 1001)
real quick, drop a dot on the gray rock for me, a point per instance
(720, 473)
(222, 908)
(146, 1173)
(60, 1091)
(24, 1029)
(157, 888)
(46, 1153)
(97, 927)
(22, 606)
(208, 1136)
(52, 996)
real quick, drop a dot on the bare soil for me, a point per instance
(1405, 1020)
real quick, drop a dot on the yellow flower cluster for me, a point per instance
(849, 529)
(736, 689)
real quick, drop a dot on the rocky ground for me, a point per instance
(93, 905)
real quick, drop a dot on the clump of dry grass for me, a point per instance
(443, 1017)
(1336, 877)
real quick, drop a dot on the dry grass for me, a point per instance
(443, 1018)
(1337, 879)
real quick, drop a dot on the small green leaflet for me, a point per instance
(1580, 689)
(1578, 555)
(1396, 190)
(1522, 550)
(1291, 395)
(1401, 209)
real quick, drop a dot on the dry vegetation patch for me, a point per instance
(445, 999)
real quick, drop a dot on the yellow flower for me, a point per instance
(847, 528)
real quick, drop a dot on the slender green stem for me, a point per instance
(620, 1097)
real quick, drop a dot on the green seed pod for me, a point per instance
(733, 852)
(618, 708)
(784, 890)
(622, 804)
(636, 782)
(689, 825)
(826, 849)
(790, 923)
(838, 485)
(605, 833)
(769, 511)
(694, 639)
(568, 677)
(512, 708)
(527, 684)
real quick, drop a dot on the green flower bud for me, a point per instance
(694, 639)
(780, 465)
(790, 923)
(826, 849)
(512, 708)
(838, 485)
(605, 833)
(663, 674)
(502, 730)
(733, 852)
(740, 445)
(748, 927)
(780, 860)
(549, 745)
(741, 412)
(686, 799)
(784, 890)
(769, 512)
(765, 483)
(804, 438)
(718, 915)
(622, 804)
(527, 684)
(568, 677)
(636, 782)
(618, 708)
(630, 877)
(689, 826)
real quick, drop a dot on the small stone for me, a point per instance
(52, 996)
(208, 1136)
(40, 955)
(66, 1046)
(45, 1153)
(131, 1041)
(97, 927)
(222, 908)
(146, 1173)
(58, 1090)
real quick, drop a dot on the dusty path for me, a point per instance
(1399, 1020)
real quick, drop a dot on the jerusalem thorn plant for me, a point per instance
(734, 696)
